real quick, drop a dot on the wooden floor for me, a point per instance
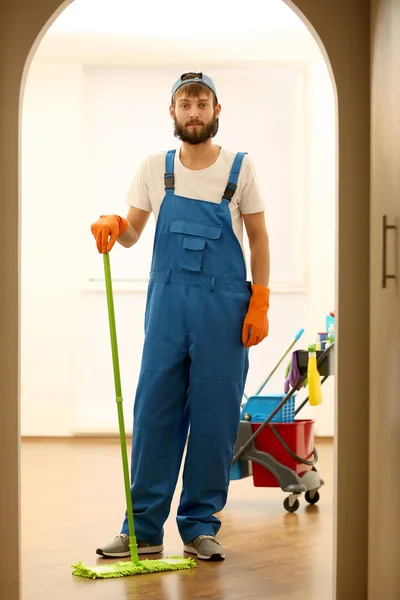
(73, 500)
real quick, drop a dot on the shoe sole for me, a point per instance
(149, 550)
(213, 557)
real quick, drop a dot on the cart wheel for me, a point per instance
(294, 507)
(312, 496)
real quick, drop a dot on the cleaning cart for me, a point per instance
(276, 448)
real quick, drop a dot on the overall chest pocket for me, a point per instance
(192, 242)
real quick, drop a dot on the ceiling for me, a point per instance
(178, 32)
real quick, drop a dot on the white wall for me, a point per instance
(52, 277)
(78, 168)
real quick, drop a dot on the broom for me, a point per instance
(134, 566)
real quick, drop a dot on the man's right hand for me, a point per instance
(106, 230)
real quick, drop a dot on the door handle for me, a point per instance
(385, 228)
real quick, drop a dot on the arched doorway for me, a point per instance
(334, 24)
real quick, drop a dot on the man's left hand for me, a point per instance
(256, 325)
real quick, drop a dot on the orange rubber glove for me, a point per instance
(256, 326)
(107, 229)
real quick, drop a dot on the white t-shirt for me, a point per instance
(147, 190)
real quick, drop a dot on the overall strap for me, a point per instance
(169, 179)
(233, 176)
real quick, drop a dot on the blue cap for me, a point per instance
(195, 78)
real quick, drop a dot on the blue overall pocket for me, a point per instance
(193, 248)
(192, 239)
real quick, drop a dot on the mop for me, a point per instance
(134, 566)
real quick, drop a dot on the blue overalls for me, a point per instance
(194, 365)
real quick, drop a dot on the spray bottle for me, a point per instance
(313, 377)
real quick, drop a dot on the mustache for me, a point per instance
(194, 123)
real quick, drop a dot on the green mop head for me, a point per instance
(124, 568)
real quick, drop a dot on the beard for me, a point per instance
(197, 135)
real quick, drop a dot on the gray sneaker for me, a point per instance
(205, 547)
(119, 547)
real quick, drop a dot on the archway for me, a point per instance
(17, 41)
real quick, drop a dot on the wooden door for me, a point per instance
(384, 482)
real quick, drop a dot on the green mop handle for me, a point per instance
(119, 400)
(264, 383)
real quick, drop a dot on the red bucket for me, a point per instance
(299, 436)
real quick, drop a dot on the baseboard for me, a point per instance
(114, 437)
(74, 438)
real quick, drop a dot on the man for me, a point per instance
(201, 318)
